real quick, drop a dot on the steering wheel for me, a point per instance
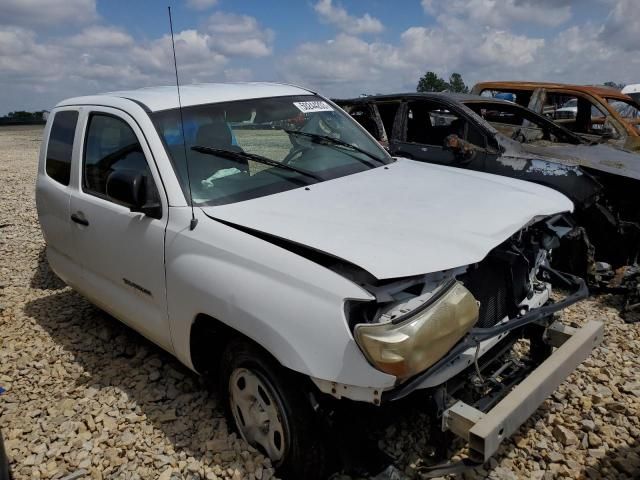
(296, 151)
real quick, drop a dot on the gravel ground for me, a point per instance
(87, 394)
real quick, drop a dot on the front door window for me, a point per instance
(111, 146)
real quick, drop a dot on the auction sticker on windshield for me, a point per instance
(317, 106)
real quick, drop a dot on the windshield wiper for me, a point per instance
(325, 140)
(239, 156)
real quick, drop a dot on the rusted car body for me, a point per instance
(503, 138)
(597, 113)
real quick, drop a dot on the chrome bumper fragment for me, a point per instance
(485, 431)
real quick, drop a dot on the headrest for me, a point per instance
(216, 134)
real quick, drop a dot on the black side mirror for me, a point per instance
(129, 187)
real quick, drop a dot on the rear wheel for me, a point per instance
(270, 411)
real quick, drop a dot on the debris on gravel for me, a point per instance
(85, 394)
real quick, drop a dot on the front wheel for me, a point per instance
(271, 412)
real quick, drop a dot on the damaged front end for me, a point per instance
(604, 247)
(455, 335)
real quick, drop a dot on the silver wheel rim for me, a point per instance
(257, 412)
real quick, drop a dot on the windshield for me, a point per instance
(277, 144)
(520, 123)
(630, 111)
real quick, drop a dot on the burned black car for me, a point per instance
(503, 138)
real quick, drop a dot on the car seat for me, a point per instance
(215, 135)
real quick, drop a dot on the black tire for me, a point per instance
(305, 452)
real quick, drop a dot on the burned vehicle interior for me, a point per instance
(502, 137)
(576, 110)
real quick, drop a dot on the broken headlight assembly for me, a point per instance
(408, 342)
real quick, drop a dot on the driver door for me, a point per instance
(121, 252)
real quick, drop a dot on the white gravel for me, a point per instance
(87, 394)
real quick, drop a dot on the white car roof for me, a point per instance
(166, 97)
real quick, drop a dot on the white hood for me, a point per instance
(408, 219)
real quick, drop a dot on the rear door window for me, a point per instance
(60, 146)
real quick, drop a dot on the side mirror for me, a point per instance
(129, 187)
(458, 146)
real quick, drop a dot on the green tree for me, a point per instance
(20, 115)
(456, 84)
(431, 82)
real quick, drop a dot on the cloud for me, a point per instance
(348, 65)
(344, 60)
(622, 26)
(201, 4)
(500, 13)
(238, 35)
(46, 12)
(98, 36)
(37, 73)
(339, 17)
(500, 47)
(481, 39)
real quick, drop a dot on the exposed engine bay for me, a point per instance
(500, 282)
(415, 323)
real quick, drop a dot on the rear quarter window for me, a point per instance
(60, 146)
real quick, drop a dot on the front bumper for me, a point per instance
(485, 431)
(579, 291)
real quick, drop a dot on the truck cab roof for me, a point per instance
(155, 99)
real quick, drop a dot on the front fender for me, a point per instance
(572, 181)
(292, 307)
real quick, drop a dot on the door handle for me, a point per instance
(76, 217)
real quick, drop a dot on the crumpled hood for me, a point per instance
(407, 219)
(599, 157)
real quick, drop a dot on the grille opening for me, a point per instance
(489, 282)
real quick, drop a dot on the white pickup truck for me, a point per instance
(260, 234)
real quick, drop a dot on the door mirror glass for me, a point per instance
(127, 187)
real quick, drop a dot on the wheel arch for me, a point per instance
(208, 339)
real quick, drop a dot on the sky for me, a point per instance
(54, 49)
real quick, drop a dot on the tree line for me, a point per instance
(22, 116)
(432, 82)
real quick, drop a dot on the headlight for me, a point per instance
(415, 343)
